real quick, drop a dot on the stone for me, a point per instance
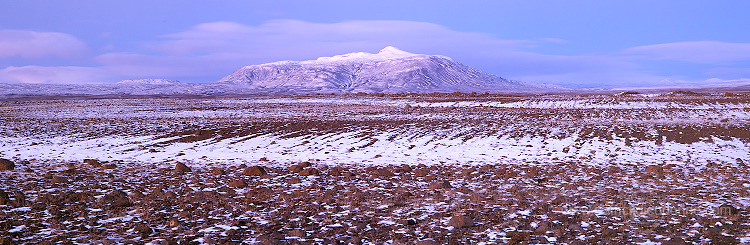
(517, 236)
(409, 221)
(92, 162)
(674, 241)
(543, 227)
(726, 210)
(217, 171)
(4, 199)
(296, 233)
(654, 170)
(181, 168)
(461, 221)
(254, 171)
(143, 230)
(428, 242)
(237, 184)
(116, 198)
(174, 223)
(239, 223)
(293, 180)
(440, 184)
(608, 233)
(6, 164)
(58, 180)
(309, 171)
(295, 168)
(382, 172)
(421, 172)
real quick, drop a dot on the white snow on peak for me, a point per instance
(393, 51)
(384, 54)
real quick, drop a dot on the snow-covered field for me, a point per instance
(554, 169)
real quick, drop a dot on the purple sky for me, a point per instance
(572, 43)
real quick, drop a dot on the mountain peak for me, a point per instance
(393, 51)
(386, 53)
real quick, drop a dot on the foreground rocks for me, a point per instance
(6, 164)
(310, 203)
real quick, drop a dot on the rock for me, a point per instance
(726, 210)
(239, 223)
(6, 164)
(92, 162)
(440, 184)
(517, 236)
(608, 233)
(354, 240)
(217, 171)
(143, 230)
(477, 198)
(309, 171)
(260, 194)
(58, 180)
(237, 184)
(115, 199)
(109, 166)
(295, 168)
(174, 223)
(296, 233)
(382, 172)
(271, 238)
(293, 180)
(421, 172)
(428, 242)
(181, 168)
(674, 241)
(461, 221)
(254, 171)
(543, 227)
(654, 170)
(409, 221)
(4, 199)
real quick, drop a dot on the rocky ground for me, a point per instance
(312, 203)
(576, 198)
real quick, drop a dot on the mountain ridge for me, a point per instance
(391, 70)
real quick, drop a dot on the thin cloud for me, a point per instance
(702, 52)
(728, 72)
(33, 44)
(293, 39)
(56, 74)
(553, 40)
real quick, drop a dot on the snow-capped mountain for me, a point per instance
(391, 70)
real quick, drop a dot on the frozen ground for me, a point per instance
(556, 169)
